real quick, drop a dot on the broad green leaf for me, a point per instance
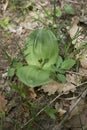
(41, 48)
(51, 112)
(59, 61)
(68, 64)
(69, 9)
(33, 76)
(11, 72)
(61, 78)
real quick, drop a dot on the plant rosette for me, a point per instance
(40, 52)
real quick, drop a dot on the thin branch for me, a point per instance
(69, 112)
(80, 120)
(76, 73)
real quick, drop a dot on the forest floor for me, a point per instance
(25, 110)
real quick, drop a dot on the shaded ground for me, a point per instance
(18, 109)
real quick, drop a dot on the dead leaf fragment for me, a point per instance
(15, 30)
(52, 87)
(31, 93)
(3, 102)
(61, 111)
(83, 71)
(83, 60)
(69, 87)
(5, 4)
(73, 32)
(72, 81)
(28, 25)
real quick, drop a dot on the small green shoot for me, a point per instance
(59, 61)
(15, 65)
(58, 13)
(5, 23)
(20, 89)
(51, 112)
(11, 72)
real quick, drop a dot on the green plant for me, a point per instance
(61, 67)
(14, 66)
(39, 59)
(43, 61)
(5, 23)
(37, 46)
(41, 52)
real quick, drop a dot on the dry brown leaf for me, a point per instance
(83, 72)
(83, 60)
(73, 78)
(3, 102)
(82, 56)
(72, 81)
(58, 107)
(31, 93)
(73, 31)
(5, 4)
(52, 87)
(79, 41)
(69, 87)
(61, 111)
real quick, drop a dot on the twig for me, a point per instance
(80, 120)
(76, 73)
(81, 84)
(69, 112)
